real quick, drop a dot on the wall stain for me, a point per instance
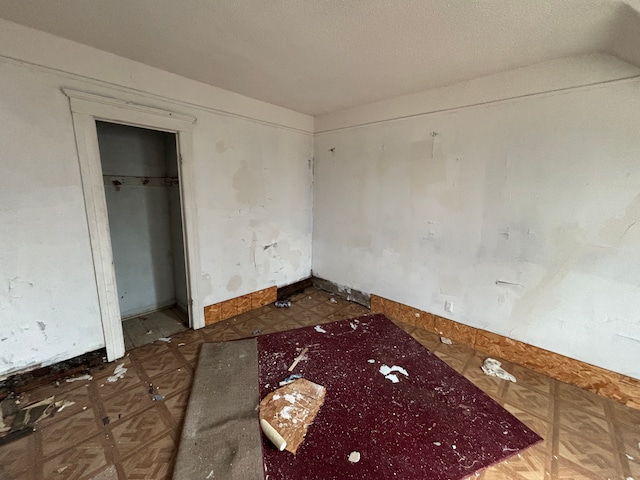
(220, 147)
(571, 243)
(234, 283)
(616, 229)
(248, 182)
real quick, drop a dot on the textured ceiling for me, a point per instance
(319, 56)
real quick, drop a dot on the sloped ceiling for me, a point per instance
(319, 56)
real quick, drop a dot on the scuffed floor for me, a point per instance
(116, 431)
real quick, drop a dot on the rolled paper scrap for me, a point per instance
(273, 435)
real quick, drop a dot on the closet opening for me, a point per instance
(143, 198)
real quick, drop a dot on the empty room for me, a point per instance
(320, 239)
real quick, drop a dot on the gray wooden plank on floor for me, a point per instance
(221, 436)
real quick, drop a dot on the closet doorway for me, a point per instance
(142, 192)
(87, 109)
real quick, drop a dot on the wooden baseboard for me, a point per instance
(24, 381)
(239, 305)
(621, 388)
(343, 292)
(288, 290)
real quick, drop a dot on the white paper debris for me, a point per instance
(165, 339)
(371, 360)
(319, 329)
(62, 404)
(446, 341)
(118, 373)
(81, 377)
(333, 300)
(629, 456)
(286, 412)
(387, 371)
(437, 444)
(492, 368)
(354, 457)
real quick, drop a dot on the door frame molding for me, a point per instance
(86, 108)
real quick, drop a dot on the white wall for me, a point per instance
(524, 213)
(253, 188)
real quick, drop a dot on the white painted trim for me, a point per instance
(496, 101)
(100, 237)
(86, 108)
(305, 121)
(190, 228)
(112, 109)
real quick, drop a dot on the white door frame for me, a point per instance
(86, 108)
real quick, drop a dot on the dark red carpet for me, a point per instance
(432, 424)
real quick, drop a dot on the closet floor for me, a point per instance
(149, 327)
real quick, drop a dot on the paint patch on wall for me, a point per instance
(248, 183)
(234, 283)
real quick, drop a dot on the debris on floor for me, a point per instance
(15, 422)
(156, 396)
(446, 341)
(62, 404)
(290, 410)
(333, 300)
(319, 329)
(283, 304)
(271, 433)
(81, 377)
(118, 373)
(302, 356)
(290, 379)
(354, 457)
(492, 368)
(387, 371)
(165, 339)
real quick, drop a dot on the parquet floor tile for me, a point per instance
(588, 455)
(79, 461)
(126, 403)
(16, 457)
(138, 430)
(68, 432)
(154, 462)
